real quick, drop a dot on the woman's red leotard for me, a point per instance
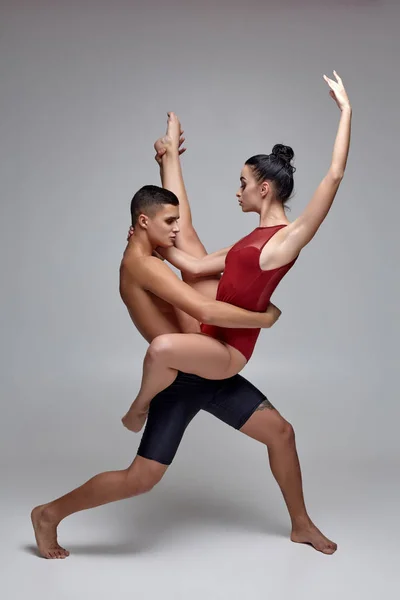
(245, 284)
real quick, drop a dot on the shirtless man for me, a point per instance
(150, 289)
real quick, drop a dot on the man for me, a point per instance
(150, 290)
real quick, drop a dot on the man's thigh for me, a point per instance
(266, 424)
(243, 406)
(170, 413)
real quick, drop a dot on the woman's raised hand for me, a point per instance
(337, 91)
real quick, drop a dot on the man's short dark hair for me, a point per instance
(148, 199)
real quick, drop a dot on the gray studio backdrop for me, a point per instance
(85, 88)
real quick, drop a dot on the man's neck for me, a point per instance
(141, 244)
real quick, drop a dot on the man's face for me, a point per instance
(163, 226)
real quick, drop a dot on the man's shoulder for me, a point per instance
(138, 266)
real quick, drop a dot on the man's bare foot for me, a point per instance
(309, 534)
(46, 534)
(134, 419)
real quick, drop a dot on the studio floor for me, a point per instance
(202, 541)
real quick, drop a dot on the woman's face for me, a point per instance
(250, 192)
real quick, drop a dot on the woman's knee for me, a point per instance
(159, 347)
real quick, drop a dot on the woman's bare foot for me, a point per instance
(310, 534)
(46, 534)
(134, 419)
(172, 140)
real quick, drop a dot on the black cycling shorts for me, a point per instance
(231, 400)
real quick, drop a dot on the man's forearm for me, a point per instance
(223, 314)
(154, 276)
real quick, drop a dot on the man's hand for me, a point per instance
(273, 313)
(154, 253)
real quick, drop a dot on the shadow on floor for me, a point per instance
(170, 516)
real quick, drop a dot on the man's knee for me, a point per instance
(287, 432)
(283, 433)
(143, 475)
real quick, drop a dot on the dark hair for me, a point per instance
(275, 167)
(148, 199)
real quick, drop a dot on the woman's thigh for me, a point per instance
(189, 242)
(206, 286)
(199, 354)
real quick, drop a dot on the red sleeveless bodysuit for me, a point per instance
(245, 284)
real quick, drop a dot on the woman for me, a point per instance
(252, 268)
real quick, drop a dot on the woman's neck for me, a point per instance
(273, 214)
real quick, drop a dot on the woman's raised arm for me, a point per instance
(302, 230)
(211, 264)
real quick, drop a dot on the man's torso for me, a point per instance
(151, 315)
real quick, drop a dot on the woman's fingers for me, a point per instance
(334, 85)
(338, 77)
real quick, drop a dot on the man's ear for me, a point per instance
(143, 221)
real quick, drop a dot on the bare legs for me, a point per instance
(267, 426)
(140, 477)
(173, 352)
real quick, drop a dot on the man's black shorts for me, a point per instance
(231, 400)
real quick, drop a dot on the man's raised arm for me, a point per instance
(154, 276)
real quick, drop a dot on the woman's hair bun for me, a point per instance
(283, 152)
